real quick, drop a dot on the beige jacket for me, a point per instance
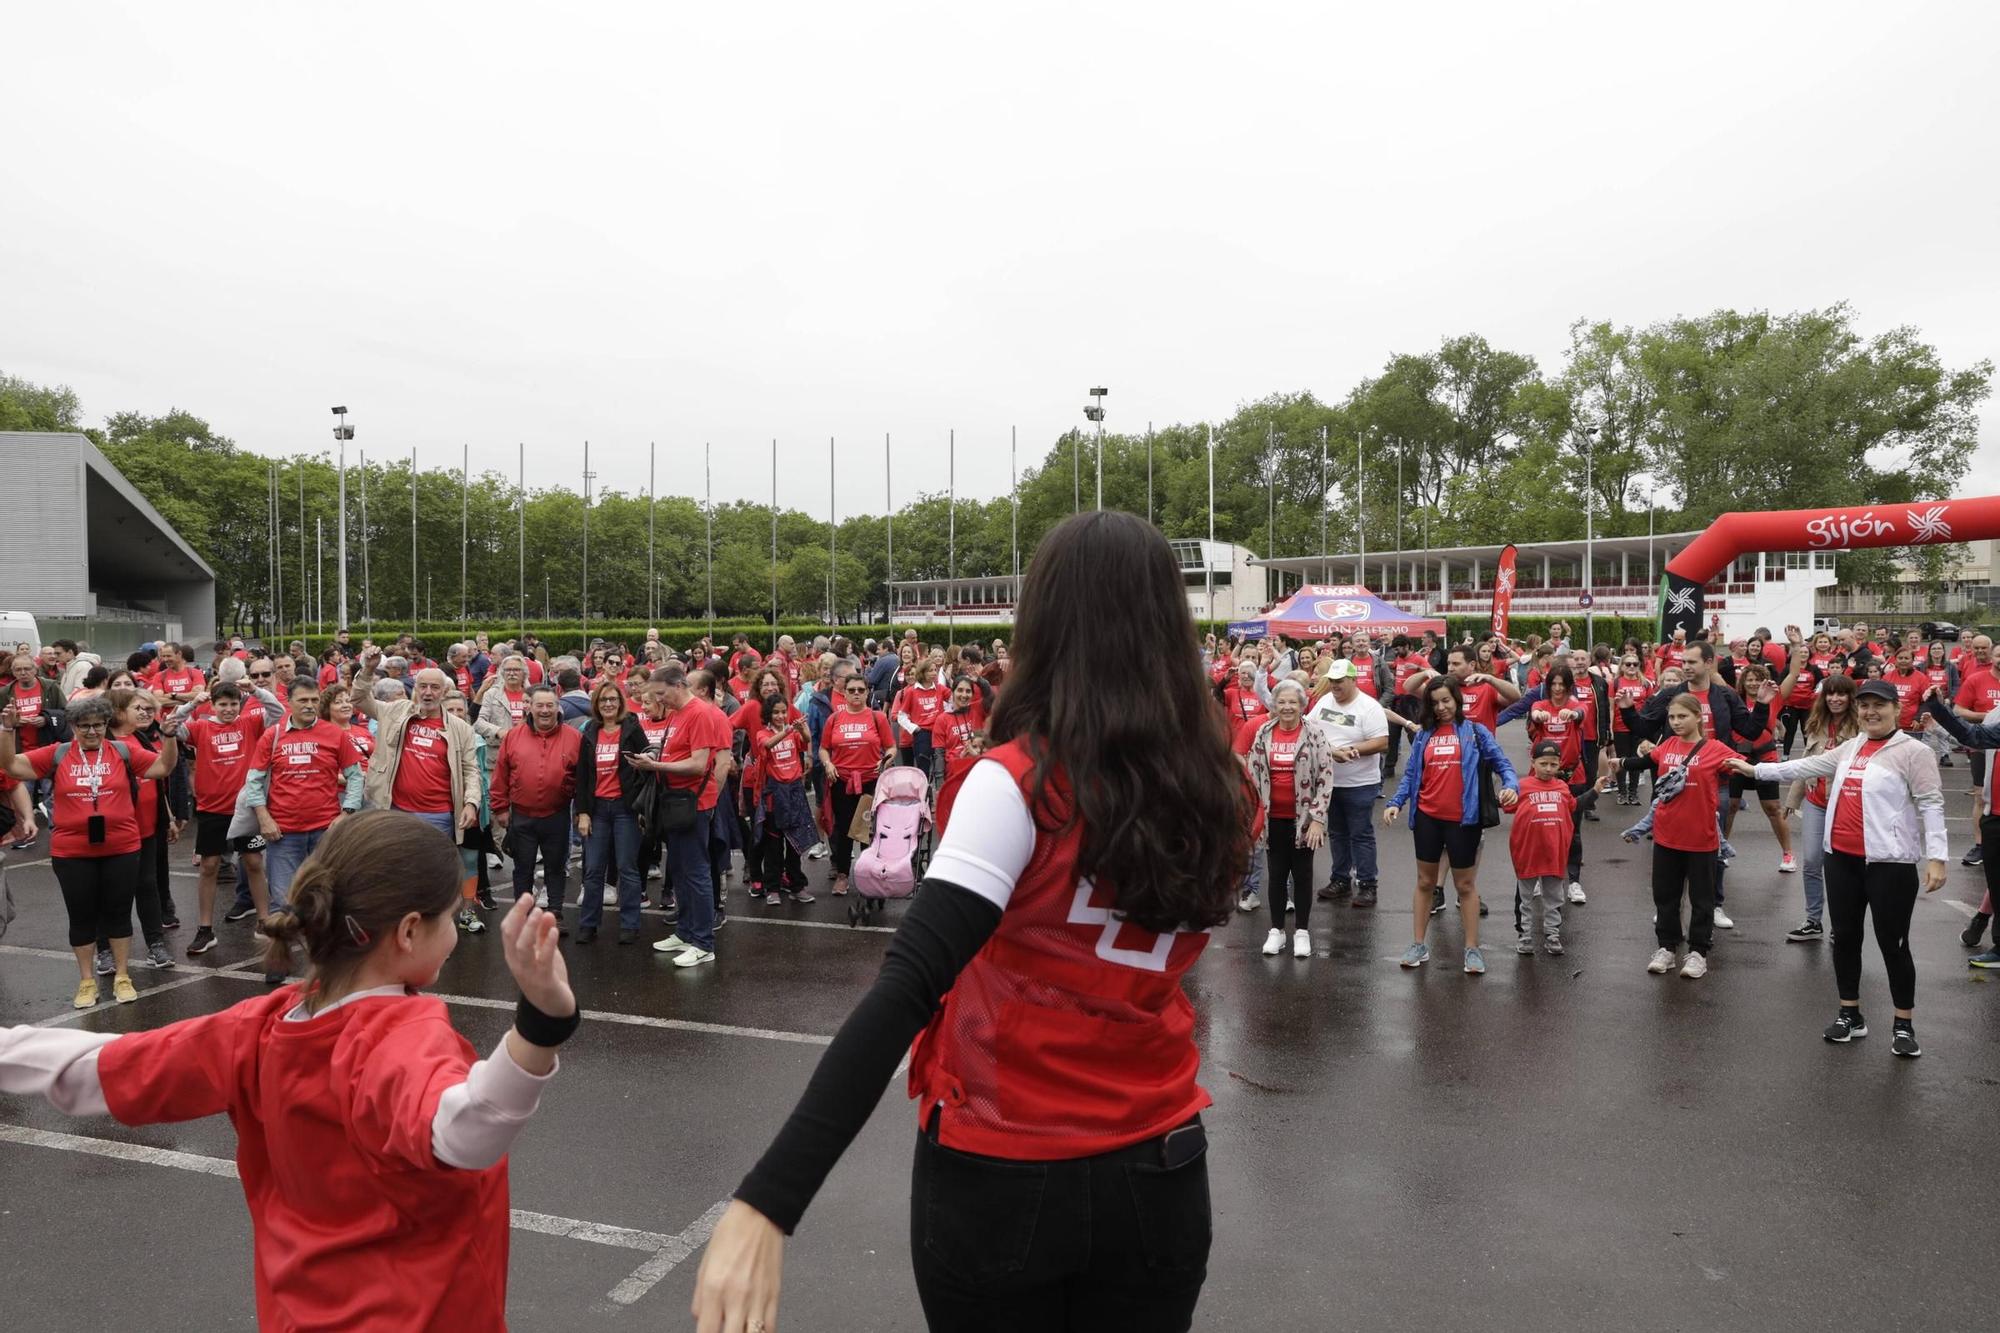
(461, 749)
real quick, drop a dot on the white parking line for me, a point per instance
(667, 1251)
(671, 1255)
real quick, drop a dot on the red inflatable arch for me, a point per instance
(1925, 523)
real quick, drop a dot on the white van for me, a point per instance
(18, 627)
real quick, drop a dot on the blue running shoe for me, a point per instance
(1419, 954)
(1991, 958)
(1475, 962)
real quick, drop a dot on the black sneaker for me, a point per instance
(1364, 897)
(1335, 890)
(203, 941)
(1975, 857)
(275, 978)
(484, 897)
(1806, 932)
(1971, 936)
(1437, 900)
(586, 934)
(627, 935)
(239, 914)
(1846, 1026)
(170, 923)
(1906, 1039)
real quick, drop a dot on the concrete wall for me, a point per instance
(44, 568)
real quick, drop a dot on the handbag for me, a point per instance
(1489, 799)
(861, 827)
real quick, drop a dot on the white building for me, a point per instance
(1969, 593)
(1223, 582)
(1759, 590)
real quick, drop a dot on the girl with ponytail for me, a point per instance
(370, 1142)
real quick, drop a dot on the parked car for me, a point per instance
(18, 627)
(1938, 629)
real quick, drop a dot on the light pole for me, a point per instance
(1589, 535)
(1095, 414)
(343, 433)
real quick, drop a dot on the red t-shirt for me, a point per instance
(1546, 722)
(1243, 704)
(1408, 666)
(1670, 655)
(28, 699)
(783, 753)
(1687, 823)
(356, 1223)
(1543, 826)
(181, 680)
(364, 741)
(606, 761)
(1909, 694)
(517, 704)
(329, 674)
(1364, 676)
(304, 767)
(952, 733)
(222, 753)
(1849, 819)
(423, 772)
(1627, 692)
(1284, 762)
(1939, 677)
(1482, 703)
(696, 725)
(1979, 691)
(70, 809)
(1807, 684)
(1441, 792)
(921, 704)
(856, 740)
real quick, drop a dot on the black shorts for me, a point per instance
(211, 836)
(1978, 770)
(1766, 791)
(1436, 839)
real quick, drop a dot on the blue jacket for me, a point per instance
(818, 709)
(1475, 745)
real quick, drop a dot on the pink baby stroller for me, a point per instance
(894, 860)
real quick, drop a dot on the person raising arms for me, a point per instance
(1084, 859)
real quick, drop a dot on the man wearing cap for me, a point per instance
(1358, 728)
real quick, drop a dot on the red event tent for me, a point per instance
(1320, 610)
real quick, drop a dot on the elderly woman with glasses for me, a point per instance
(1290, 758)
(95, 842)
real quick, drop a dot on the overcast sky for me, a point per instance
(631, 223)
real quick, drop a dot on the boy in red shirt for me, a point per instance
(1544, 824)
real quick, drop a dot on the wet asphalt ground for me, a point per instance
(1562, 1143)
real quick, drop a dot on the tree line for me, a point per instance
(1464, 444)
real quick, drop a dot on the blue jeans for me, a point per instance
(687, 872)
(1253, 877)
(1350, 832)
(613, 842)
(1812, 855)
(283, 856)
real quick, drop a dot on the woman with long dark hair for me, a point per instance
(1060, 1180)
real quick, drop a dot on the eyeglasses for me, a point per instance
(260, 675)
(86, 726)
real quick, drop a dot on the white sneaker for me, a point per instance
(1722, 921)
(818, 852)
(693, 957)
(1788, 864)
(1576, 891)
(671, 944)
(541, 898)
(610, 896)
(1695, 966)
(1663, 961)
(1249, 902)
(1274, 943)
(1302, 944)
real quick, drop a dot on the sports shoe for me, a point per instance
(203, 941)
(469, 922)
(1846, 1026)
(693, 957)
(1364, 896)
(1694, 967)
(483, 899)
(1483, 908)
(1906, 1039)
(1576, 891)
(170, 923)
(236, 914)
(627, 935)
(773, 898)
(1274, 942)
(1475, 962)
(1974, 933)
(609, 898)
(1975, 857)
(1416, 955)
(1722, 921)
(1437, 899)
(1554, 944)
(1991, 958)
(839, 889)
(1806, 932)
(1663, 961)
(1249, 902)
(86, 993)
(1334, 890)
(1302, 944)
(804, 896)
(276, 978)
(157, 956)
(1524, 944)
(819, 852)
(1788, 864)
(123, 991)
(671, 944)
(103, 966)
(586, 934)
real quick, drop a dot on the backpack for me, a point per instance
(125, 754)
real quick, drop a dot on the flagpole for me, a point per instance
(1014, 484)
(521, 531)
(774, 546)
(951, 543)
(1149, 472)
(1208, 556)
(464, 529)
(416, 607)
(652, 608)
(832, 532)
(889, 501)
(708, 522)
(367, 603)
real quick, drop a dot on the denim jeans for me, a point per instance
(1812, 868)
(548, 834)
(613, 844)
(283, 855)
(1350, 832)
(687, 872)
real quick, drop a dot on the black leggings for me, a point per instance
(1792, 719)
(1673, 868)
(97, 891)
(1886, 890)
(148, 874)
(1291, 871)
(1626, 744)
(774, 862)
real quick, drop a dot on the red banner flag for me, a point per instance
(1503, 591)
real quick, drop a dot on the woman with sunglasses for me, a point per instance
(94, 845)
(856, 745)
(1629, 689)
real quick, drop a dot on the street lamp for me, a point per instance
(1589, 536)
(342, 433)
(1095, 414)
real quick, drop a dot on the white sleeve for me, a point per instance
(57, 1064)
(1377, 724)
(991, 836)
(477, 1121)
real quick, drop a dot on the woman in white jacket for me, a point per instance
(1885, 812)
